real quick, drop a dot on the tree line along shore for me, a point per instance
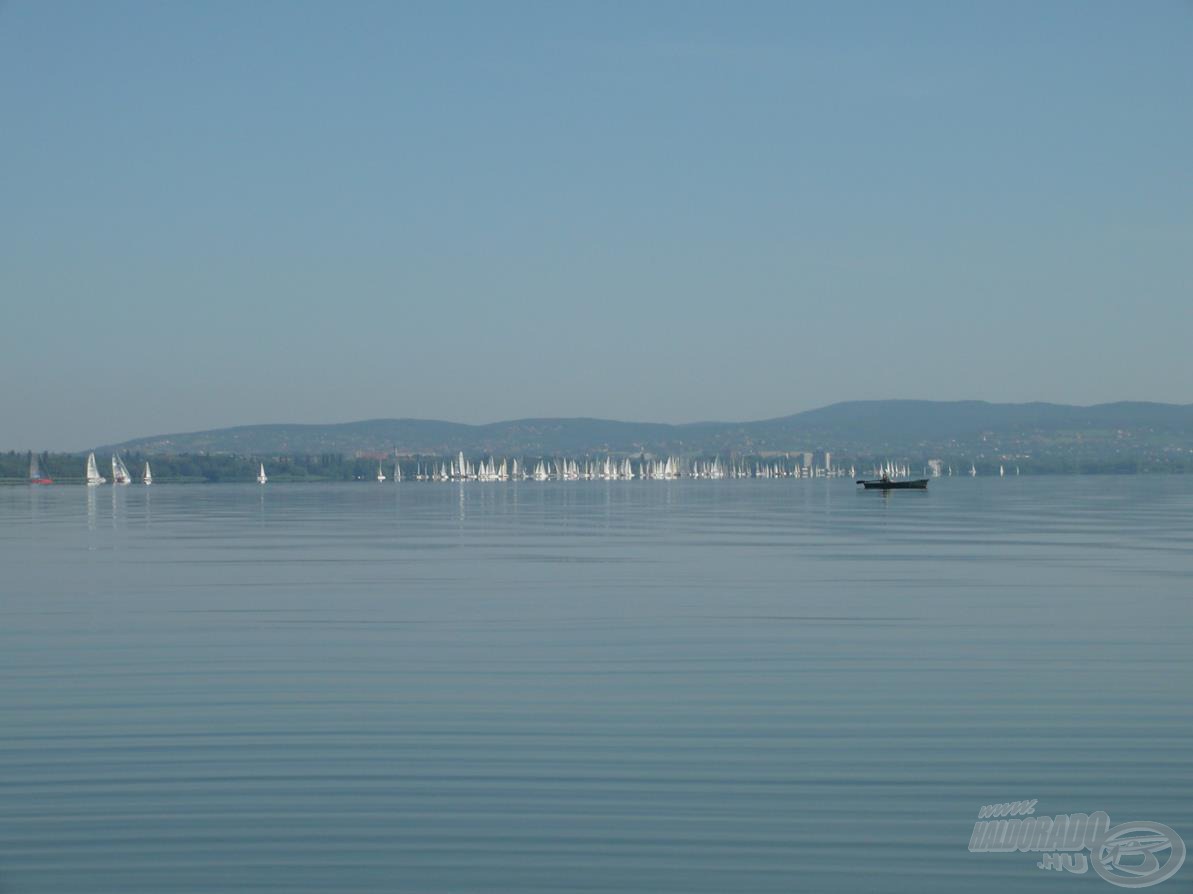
(68, 468)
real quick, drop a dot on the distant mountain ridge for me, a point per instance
(852, 427)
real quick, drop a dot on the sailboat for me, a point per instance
(93, 476)
(261, 479)
(973, 471)
(397, 473)
(1001, 471)
(147, 478)
(35, 473)
(120, 471)
(380, 474)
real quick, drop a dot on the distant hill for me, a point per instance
(853, 428)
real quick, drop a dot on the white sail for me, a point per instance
(261, 479)
(120, 471)
(93, 476)
(148, 476)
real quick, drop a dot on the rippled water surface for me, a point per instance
(668, 686)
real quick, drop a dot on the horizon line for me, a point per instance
(615, 421)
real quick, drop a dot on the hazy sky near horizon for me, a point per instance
(223, 213)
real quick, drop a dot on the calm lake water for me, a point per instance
(666, 686)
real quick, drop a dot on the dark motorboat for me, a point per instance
(885, 483)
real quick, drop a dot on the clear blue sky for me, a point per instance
(223, 213)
